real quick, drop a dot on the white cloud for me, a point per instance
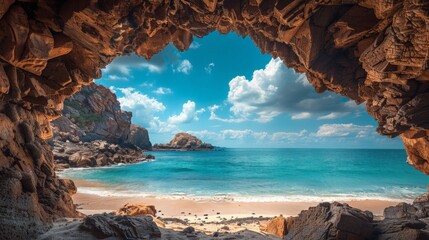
(187, 115)
(122, 66)
(303, 115)
(195, 45)
(134, 99)
(163, 127)
(162, 91)
(112, 89)
(151, 67)
(277, 89)
(213, 116)
(204, 134)
(117, 78)
(344, 130)
(333, 115)
(247, 134)
(144, 108)
(281, 136)
(185, 66)
(209, 68)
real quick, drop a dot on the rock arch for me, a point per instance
(369, 51)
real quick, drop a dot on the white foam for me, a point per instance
(230, 198)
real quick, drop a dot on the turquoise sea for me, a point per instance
(263, 175)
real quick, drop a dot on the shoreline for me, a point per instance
(183, 208)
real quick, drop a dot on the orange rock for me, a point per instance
(277, 226)
(137, 210)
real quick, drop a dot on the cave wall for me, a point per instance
(369, 51)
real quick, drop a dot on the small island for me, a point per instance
(184, 142)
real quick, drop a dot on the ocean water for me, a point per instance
(263, 175)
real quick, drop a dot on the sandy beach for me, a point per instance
(210, 216)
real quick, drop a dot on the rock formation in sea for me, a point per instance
(184, 142)
(369, 51)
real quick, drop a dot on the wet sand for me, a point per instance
(187, 208)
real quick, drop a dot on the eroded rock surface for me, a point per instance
(330, 221)
(184, 142)
(120, 227)
(96, 153)
(137, 210)
(94, 131)
(340, 221)
(94, 113)
(31, 195)
(373, 51)
(139, 137)
(276, 226)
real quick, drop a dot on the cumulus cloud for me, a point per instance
(241, 134)
(281, 136)
(214, 116)
(185, 66)
(144, 109)
(333, 115)
(344, 130)
(247, 134)
(209, 68)
(162, 127)
(277, 89)
(326, 131)
(303, 115)
(188, 114)
(133, 99)
(162, 91)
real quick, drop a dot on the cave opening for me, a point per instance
(373, 52)
(330, 142)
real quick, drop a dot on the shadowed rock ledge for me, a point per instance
(372, 51)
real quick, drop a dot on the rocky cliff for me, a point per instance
(184, 142)
(96, 115)
(94, 131)
(369, 51)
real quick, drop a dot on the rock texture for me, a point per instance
(340, 221)
(184, 142)
(96, 153)
(137, 210)
(330, 221)
(276, 226)
(94, 113)
(94, 131)
(139, 137)
(120, 227)
(31, 195)
(372, 51)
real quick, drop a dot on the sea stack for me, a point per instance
(184, 142)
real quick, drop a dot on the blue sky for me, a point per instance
(225, 91)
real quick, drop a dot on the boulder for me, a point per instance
(139, 137)
(184, 142)
(137, 210)
(120, 227)
(276, 226)
(331, 221)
